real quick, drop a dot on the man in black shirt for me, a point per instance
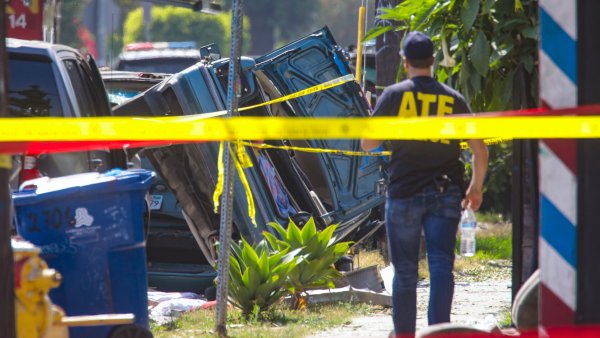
(426, 187)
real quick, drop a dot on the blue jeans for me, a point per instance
(438, 214)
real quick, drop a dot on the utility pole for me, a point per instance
(7, 301)
(228, 182)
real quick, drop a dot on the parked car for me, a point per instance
(175, 261)
(157, 57)
(285, 184)
(55, 80)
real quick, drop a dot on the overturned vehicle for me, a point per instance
(286, 184)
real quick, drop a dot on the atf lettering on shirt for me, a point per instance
(414, 164)
(442, 105)
(428, 105)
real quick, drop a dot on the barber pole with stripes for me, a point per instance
(557, 159)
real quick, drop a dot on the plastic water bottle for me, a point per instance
(468, 224)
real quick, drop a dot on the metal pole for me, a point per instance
(588, 180)
(7, 301)
(228, 182)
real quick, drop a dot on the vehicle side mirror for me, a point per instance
(210, 52)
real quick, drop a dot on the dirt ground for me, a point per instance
(475, 303)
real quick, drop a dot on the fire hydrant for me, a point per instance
(36, 316)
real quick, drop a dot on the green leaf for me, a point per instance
(309, 230)
(249, 256)
(264, 268)
(422, 14)
(452, 4)
(528, 62)
(275, 243)
(282, 232)
(487, 6)
(518, 6)
(475, 82)
(253, 281)
(530, 32)
(442, 75)
(377, 31)
(468, 13)
(294, 236)
(510, 24)
(235, 270)
(480, 54)
(326, 234)
(507, 88)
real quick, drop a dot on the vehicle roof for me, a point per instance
(116, 75)
(159, 54)
(35, 47)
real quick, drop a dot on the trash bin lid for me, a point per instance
(42, 188)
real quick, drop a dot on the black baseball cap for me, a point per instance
(417, 46)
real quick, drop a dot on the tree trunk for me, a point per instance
(262, 33)
(387, 59)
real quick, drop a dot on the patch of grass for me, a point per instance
(505, 318)
(280, 321)
(494, 247)
(489, 217)
(494, 241)
(364, 259)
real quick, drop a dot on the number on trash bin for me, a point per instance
(33, 225)
(53, 218)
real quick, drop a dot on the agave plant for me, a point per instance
(258, 276)
(318, 251)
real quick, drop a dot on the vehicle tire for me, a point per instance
(345, 263)
(301, 218)
(130, 331)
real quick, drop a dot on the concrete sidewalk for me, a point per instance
(475, 304)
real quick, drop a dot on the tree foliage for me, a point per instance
(171, 23)
(70, 12)
(482, 45)
(487, 50)
(275, 22)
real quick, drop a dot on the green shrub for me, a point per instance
(171, 23)
(318, 251)
(257, 275)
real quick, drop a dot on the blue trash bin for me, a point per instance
(90, 228)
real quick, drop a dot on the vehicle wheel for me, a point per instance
(345, 263)
(301, 218)
(130, 331)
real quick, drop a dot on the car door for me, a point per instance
(346, 184)
(88, 99)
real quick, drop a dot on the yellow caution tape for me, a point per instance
(239, 156)
(240, 170)
(311, 90)
(5, 162)
(276, 128)
(463, 145)
(219, 187)
(246, 185)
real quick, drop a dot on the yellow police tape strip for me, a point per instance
(5, 162)
(241, 161)
(311, 90)
(463, 145)
(276, 128)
